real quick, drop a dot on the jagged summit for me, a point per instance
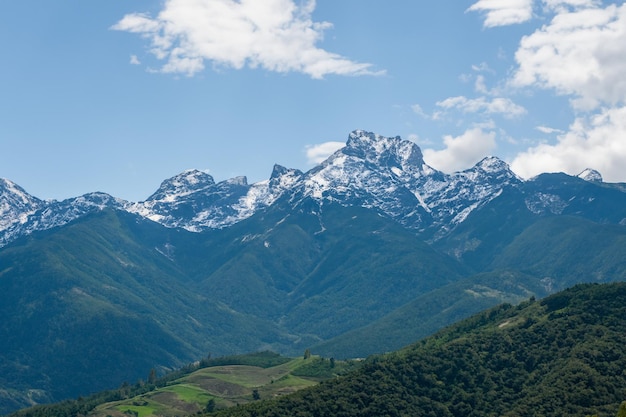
(372, 169)
(384, 151)
(279, 170)
(184, 183)
(492, 164)
(590, 175)
(283, 178)
(12, 194)
(15, 204)
(490, 168)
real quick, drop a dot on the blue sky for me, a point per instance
(118, 95)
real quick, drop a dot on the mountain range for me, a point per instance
(365, 253)
(385, 174)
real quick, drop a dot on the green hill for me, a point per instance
(564, 355)
(212, 383)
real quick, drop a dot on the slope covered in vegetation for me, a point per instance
(212, 383)
(565, 355)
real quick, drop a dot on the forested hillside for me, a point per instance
(565, 355)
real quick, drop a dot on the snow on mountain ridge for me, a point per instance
(15, 204)
(52, 213)
(384, 173)
(183, 184)
(590, 175)
(385, 151)
(387, 174)
(390, 174)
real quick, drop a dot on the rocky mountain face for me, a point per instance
(381, 173)
(22, 214)
(16, 205)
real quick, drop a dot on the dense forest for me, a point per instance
(565, 355)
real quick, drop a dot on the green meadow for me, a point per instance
(223, 386)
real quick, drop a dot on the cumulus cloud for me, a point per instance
(134, 60)
(318, 153)
(503, 12)
(580, 53)
(463, 151)
(277, 35)
(596, 142)
(498, 105)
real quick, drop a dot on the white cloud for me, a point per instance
(134, 60)
(318, 153)
(417, 109)
(596, 142)
(480, 86)
(548, 130)
(581, 53)
(482, 67)
(561, 5)
(503, 12)
(498, 105)
(463, 151)
(277, 35)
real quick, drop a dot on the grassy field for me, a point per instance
(226, 385)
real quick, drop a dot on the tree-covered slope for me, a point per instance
(564, 355)
(113, 295)
(486, 232)
(566, 250)
(318, 271)
(428, 313)
(552, 253)
(97, 302)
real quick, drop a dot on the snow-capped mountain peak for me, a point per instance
(590, 175)
(384, 151)
(492, 164)
(185, 183)
(15, 204)
(283, 178)
(490, 168)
